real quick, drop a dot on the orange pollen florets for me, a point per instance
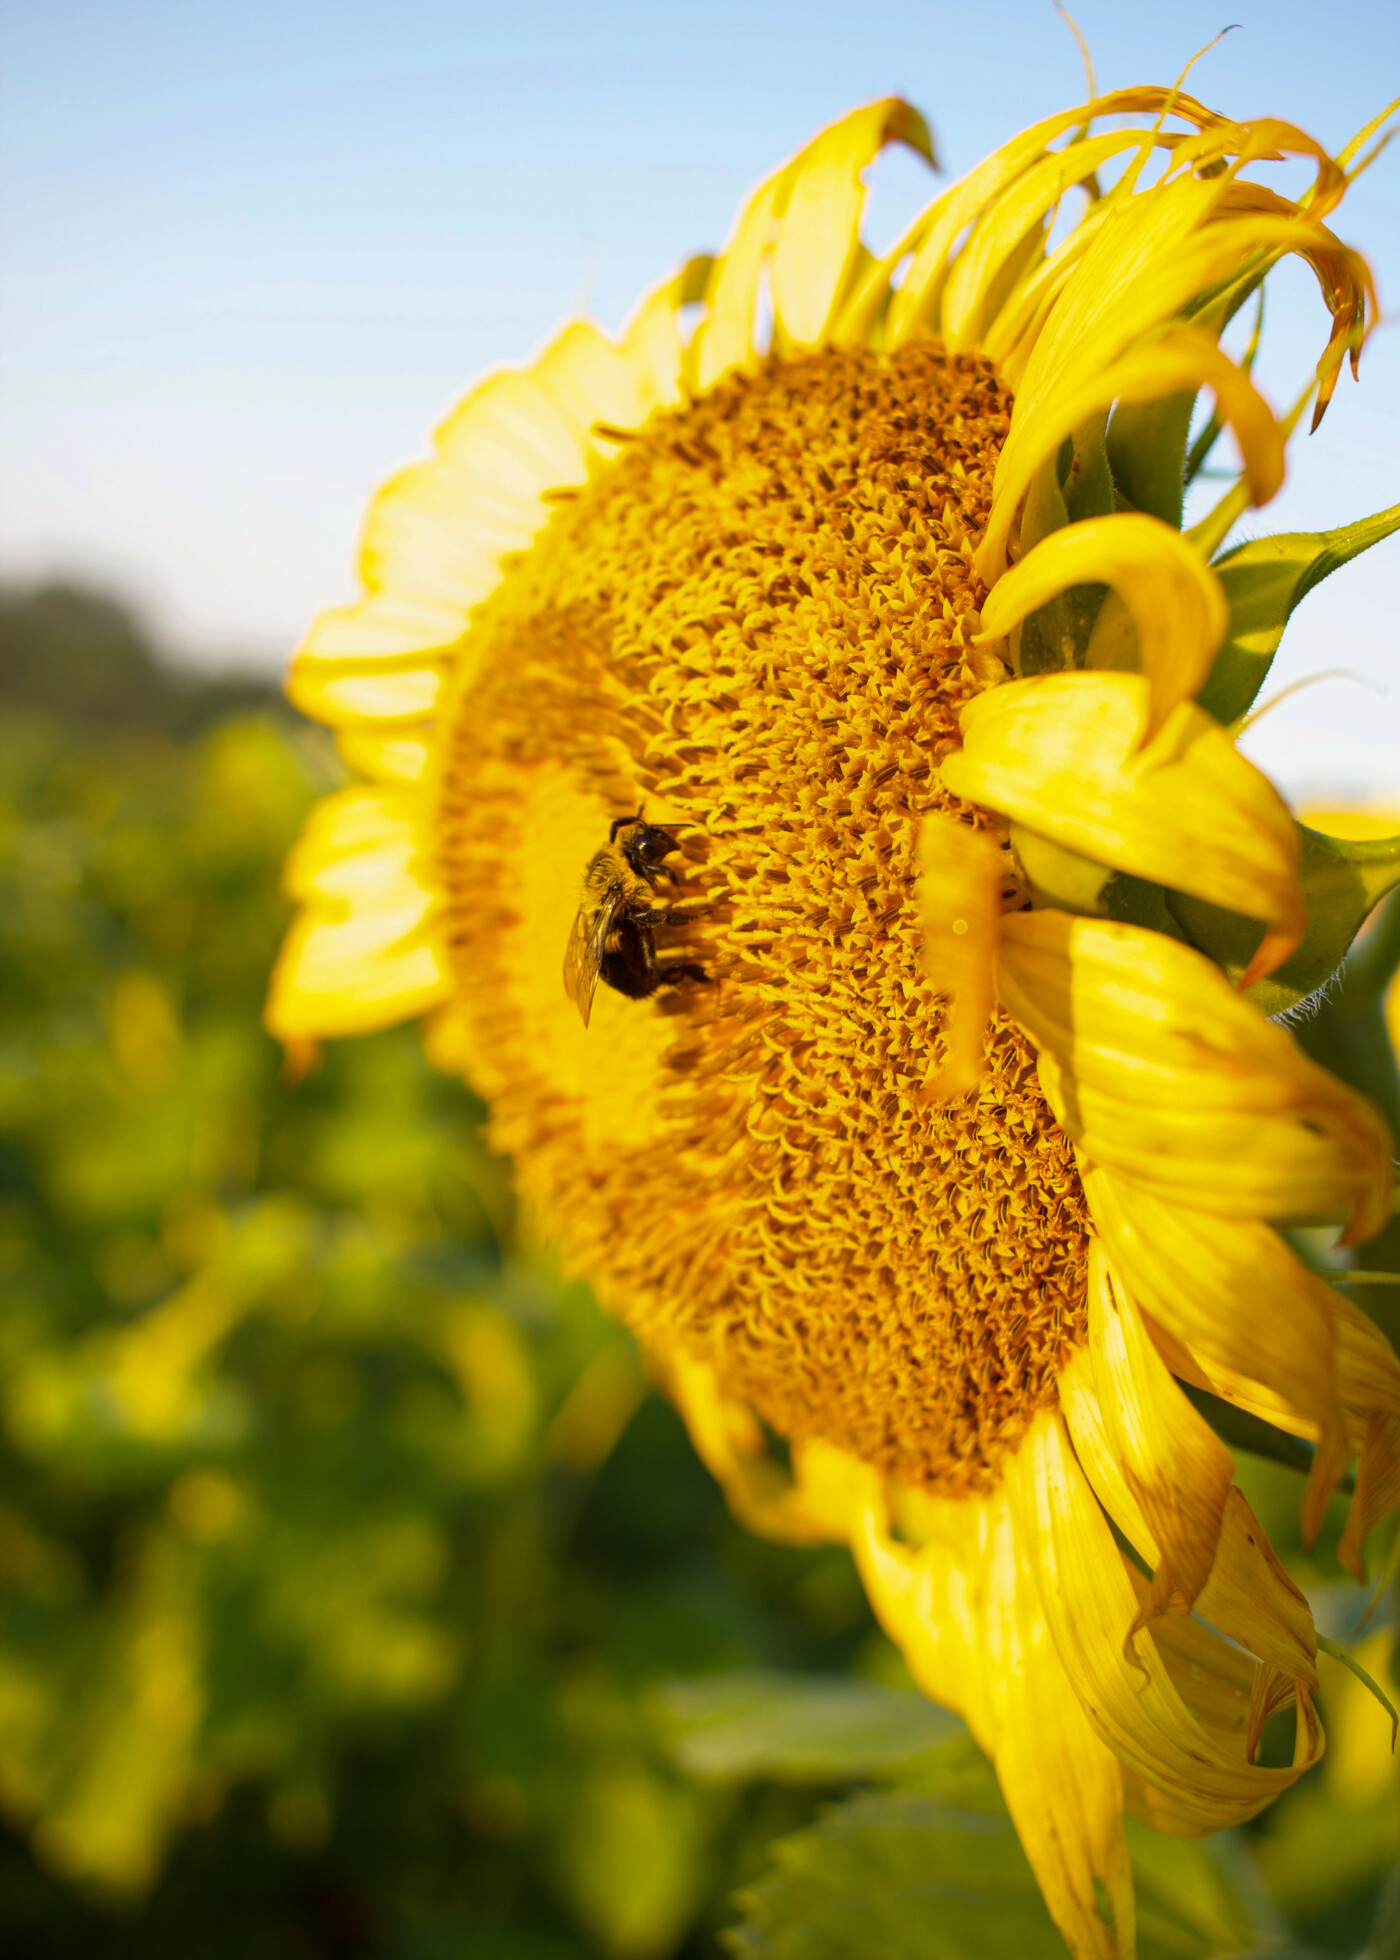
(756, 624)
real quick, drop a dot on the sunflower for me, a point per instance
(945, 1135)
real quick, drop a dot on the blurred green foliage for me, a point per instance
(356, 1597)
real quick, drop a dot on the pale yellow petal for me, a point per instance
(959, 895)
(365, 950)
(348, 696)
(1175, 1466)
(1062, 754)
(1176, 603)
(1160, 1070)
(724, 339)
(385, 756)
(932, 1601)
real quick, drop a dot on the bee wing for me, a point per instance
(583, 957)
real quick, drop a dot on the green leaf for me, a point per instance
(1147, 453)
(1341, 880)
(902, 1875)
(1384, 1943)
(1075, 484)
(798, 1728)
(1264, 581)
(937, 1873)
(1185, 1903)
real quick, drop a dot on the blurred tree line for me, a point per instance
(356, 1596)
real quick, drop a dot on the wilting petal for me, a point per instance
(1175, 600)
(1160, 1070)
(364, 952)
(959, 907)
(1175, 1466)
(964, 1609)
(1091, 1607)
(1063, 1786)
(1063, 754)
(1248, 1596)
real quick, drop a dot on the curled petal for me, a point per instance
(916, 304)
(1247, 1596)
(1160, 1070)
(1173, 1463)
(1062, 754)
(1175, 600)
(959, 905)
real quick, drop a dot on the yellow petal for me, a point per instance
(1062, 754)
(818, 243)
(1176, 602)
(1173, 1463)
(385, 757)
(959, 894)
(931, 1600)
(1377, 1489)
(1063, 1785)
(1004, 223)
(963, 1608)
(364, 952)
(347, 696)
(1091, 1608)
(915, 305)
(1160, 1070)
(731, 1444)
(1201, 1276)
(807, 217)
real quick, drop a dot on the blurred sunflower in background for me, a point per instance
(925, 1118)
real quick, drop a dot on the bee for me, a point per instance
(613, 938)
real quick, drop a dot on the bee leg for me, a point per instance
(668, 972)
(672, 915)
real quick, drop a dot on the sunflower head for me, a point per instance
(837, 713)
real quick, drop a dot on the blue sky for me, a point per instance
(249, 254)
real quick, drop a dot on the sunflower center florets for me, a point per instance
(757, 624)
